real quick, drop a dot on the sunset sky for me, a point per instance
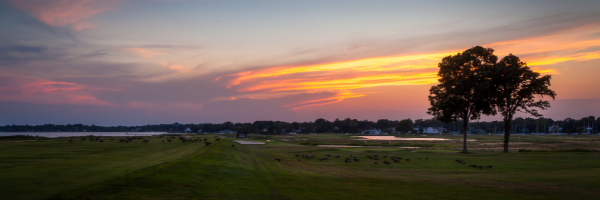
(135, 62)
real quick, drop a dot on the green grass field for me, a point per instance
(554, 167)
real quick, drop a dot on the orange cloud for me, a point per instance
(564, 58)
(567, 45)
(66, 12)
(544, 71)
(144, 52)
(382, 64)
(179, 68)
(346, 83)
(324, 101)
(341, 78)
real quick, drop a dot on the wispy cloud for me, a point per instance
(341, 78)
(576, 43)
(145, 52)
(40, 91)
(72, 13)
(340, 96)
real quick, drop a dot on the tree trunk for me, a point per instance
(507, 129)
(465, 128)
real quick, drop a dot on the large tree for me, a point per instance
(518, 88)
(463, 89)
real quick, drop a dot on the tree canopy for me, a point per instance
(405, 126)
(474, 83)
(462, 90)
(516, 88)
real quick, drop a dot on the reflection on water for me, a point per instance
(77, 134)
(397, 138)
(343, 146)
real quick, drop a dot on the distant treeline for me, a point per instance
(520, 125)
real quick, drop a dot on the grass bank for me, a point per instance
(56, 169)
(250, 172)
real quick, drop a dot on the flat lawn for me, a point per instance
(111, 170)
(39, 169)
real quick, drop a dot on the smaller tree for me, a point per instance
(405, 126)
(516, 89)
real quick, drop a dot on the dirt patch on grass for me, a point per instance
(248, 142)
(510, 143)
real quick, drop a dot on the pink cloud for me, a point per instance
(50, 87)
(40, 91)
(73, 13)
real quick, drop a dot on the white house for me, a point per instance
(553, 129)
(371, 132)
(188, 130)
(433, 130)
(227, 132)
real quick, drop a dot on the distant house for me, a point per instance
(199, 130)
(429, 130)
(553, 129)
(240, 135)
(293, 133)
(371, 132)
(393, 129)
(433, 130)
(227, 132)
(188, 130)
